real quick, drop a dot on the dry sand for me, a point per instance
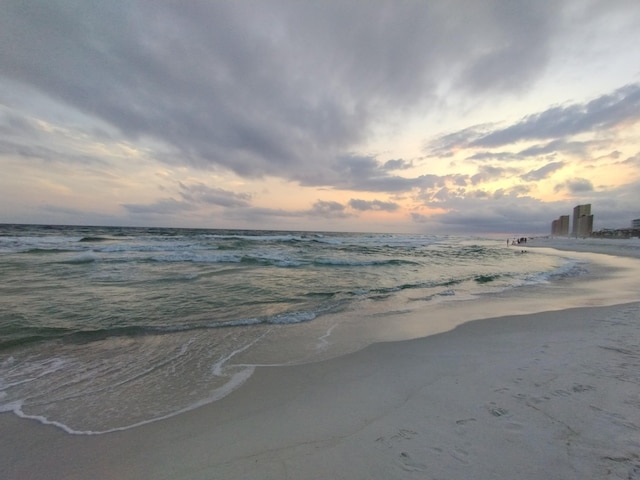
(539, 396)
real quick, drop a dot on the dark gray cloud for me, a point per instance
(508, 44)
(556, 124)
(193, 197)
(364, 205)
(493, 156)
(202, 194)
(555, 146)
(514, 213)
(444, 145)
(575, 186)
(45, 152)
(546, 150)
(615, 208)
(21, 137)
(602, 113)
(397, 164)
(15, 125)
(508, 214)
(488, 172)
(277, 87)
(328, 209)
(508, 211)
(518, 190)
(633, 160)
(365, 173)
(542, 172)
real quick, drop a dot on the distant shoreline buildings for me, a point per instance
(560, 227)
(582, 226)
(582, 223)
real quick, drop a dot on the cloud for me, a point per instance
(602, 113)
(512, 212)
(556, 146)
(505, 57)
(493, 156)
(273, 88)
(364, 205)
(194, 196)
(310, 92)
(518, 190)
(367, 174)
(13, 124)
(445, 145)
(329, 209)
(549, 149)
(555, 124)
(508, 214)
(487, 173)
(32, 140)
(397, 164)
(202, 194)
(633, 160)
(542, 172)
(615, 208)
(575, 186)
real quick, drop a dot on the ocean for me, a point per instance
(108, 328)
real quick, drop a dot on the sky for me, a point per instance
(408, 116)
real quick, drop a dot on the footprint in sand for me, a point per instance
(402, 434)
(460, 455)
(464, 421)
(579, 388)
(497, 411)
(409, 464)
(404, 459)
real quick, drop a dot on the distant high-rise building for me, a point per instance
(635, 224)
(560, 226)
(582, 221)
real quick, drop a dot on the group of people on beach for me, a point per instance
(516, 241)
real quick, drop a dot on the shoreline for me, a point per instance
(621, 247)
(543, 395)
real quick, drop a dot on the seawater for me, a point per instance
(106, 328)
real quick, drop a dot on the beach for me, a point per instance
(531, 385)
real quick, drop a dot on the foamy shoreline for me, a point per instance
(544, 395)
